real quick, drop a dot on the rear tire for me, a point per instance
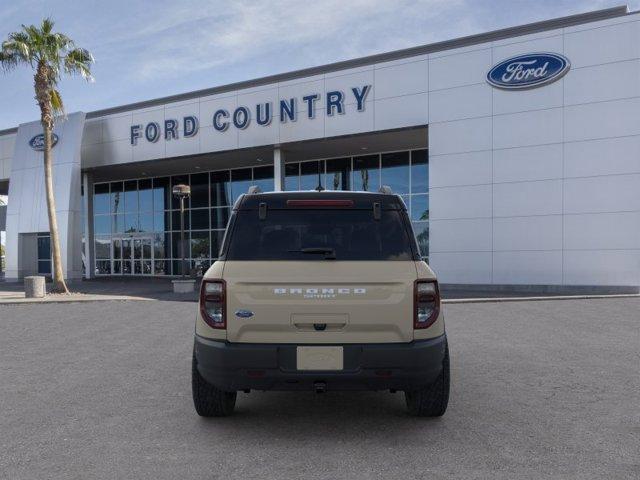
(209, 400)
(432, 400)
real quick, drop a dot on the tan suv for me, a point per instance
(320, 291)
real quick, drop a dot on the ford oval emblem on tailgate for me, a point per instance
(244, 313)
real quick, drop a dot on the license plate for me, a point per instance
(320, 358)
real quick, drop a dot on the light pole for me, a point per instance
(182, 192)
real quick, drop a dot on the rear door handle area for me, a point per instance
(330, 322)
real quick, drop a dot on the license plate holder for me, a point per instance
(328, 358)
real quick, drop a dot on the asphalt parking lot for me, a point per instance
(547, 389)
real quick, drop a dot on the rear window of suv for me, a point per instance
(309, 234)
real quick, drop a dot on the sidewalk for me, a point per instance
(103, 289)
(140, 289)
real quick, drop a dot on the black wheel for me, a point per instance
(432, 400)
(209, 400)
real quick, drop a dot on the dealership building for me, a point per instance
(517, 153)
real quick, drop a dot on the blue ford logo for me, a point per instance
(528, 71)
(244, 313)
(37, 142)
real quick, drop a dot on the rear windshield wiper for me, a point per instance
(329, 253)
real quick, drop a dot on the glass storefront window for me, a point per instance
(131, 196)
(263, 178)
(200, 190)
(200, 219)
(200, 245)
(145, 195)
(117, 192)
(219, 217)
(161, 194)
(143, 212)
(420, 207)
(395, 171)
(101, 198)
(103, 247)
(421, 229)
(366, 173)
(220, 189)
(419, 171)
(338, 176)
(102, 224)
(291, 176)
(309, 178)
(240, 182)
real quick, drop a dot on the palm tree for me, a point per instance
(49, 54)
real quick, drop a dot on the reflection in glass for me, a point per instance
(216, 242)
(420, 207)
(102, 224)
(159, 245)
(103, 267)
(220, 188)
(395, 171)
(219, 218)
(161, 221)
(309, 178)
(200, 245)
(117, 223)
(117, 248)
(161, 194)
(103, 247)
(116, 197)
(291, 174)
(338, 174)
(263, 178)
(131, 196)
(200, 190)
(200, 219)
(145, 221)
(366, 175)
(126, 248)
(240, 182)
(419, 171)
(130, 222)
(101, 198)
(145, 195)
(421, 230)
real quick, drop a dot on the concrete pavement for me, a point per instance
(540, 390)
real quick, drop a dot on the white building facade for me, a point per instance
(516, 151)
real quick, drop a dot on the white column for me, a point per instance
(278, 170)
(87, 204)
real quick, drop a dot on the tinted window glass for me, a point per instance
(351, 234)
(366, 174)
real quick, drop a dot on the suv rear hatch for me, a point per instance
(320, 268)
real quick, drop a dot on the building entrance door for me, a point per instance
(132, 255)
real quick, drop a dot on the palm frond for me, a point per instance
(56, 102)
(78, 61)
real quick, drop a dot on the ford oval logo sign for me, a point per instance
(528, 71)
(37, 142)
(244, 313)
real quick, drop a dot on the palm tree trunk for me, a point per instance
(46, 118)
(59, 285)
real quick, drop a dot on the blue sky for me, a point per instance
(148, 49)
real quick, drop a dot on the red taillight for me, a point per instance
(426, 303)
(212, 303)
(320, 203)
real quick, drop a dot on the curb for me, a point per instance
(537, 299)
(45, 300)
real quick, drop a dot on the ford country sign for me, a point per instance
(528, 71)
(37, 142)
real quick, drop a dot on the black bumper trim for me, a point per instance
(253, 366)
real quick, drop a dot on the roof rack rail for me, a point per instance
(254, 189)
(386, 190)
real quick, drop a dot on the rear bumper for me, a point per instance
(241, 366)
